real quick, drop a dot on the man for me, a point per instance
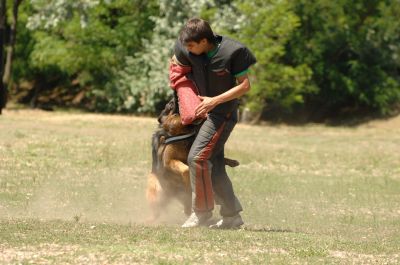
(219, 68)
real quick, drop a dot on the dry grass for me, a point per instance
(72, 192)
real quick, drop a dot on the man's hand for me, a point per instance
(206, 105)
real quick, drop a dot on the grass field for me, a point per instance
(72, 192)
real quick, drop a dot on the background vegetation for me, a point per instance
(316, 59)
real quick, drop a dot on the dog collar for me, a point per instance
(177, 138)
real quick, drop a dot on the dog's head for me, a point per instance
(173, 126)
(170, 108)
(170, 120)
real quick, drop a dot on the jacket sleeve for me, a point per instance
(186, 90)
(242, 60)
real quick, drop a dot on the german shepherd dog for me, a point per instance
(169, 177)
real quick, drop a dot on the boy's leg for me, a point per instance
(223, 189)
(212, 136)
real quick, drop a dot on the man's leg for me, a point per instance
(224, 194)
(223, 189)
(212, 136)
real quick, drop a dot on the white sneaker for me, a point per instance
(232, 222)
(197, 219)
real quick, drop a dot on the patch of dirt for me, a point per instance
(358, 258)
(34, 255)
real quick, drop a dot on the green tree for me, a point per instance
(88, 41)
(144, 82)
(266, 27)
(353, 48)
(7, 41)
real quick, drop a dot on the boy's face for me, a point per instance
(197, 47)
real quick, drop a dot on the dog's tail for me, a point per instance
(155, 143)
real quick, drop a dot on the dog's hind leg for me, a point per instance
(185, 197)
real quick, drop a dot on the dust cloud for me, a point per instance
(113, 196)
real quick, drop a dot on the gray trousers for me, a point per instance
(207, 167)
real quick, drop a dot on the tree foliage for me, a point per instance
(266, 27)
(8, 33)
(89, 41)
(353, 48)
(51, 13)
(144, 81)
(321, 56)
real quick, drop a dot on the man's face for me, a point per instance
(196, 47)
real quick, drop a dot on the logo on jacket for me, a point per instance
(220, 72)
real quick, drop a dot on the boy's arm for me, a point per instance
(242, 59)
(209, 103)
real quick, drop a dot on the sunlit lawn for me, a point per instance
(72, 191)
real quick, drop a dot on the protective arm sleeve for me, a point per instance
(186, 90)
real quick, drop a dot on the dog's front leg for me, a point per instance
(155, 196)
(178, 167)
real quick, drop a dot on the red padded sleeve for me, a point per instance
(186, 91)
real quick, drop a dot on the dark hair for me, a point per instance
(195, 30)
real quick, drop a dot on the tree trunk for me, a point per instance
(3, 88)
(250, 117)
(10, 49)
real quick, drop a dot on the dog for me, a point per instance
(170, 177)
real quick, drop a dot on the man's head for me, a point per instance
(197, 36)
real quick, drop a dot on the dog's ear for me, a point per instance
(173, 106)
(161, 117)
(168, 110)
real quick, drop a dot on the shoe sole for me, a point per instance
(233, 227)
(202, 223)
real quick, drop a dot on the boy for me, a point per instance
(219, 68)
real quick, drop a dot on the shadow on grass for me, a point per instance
(269, 230)
(256, 228)
(344, 117)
